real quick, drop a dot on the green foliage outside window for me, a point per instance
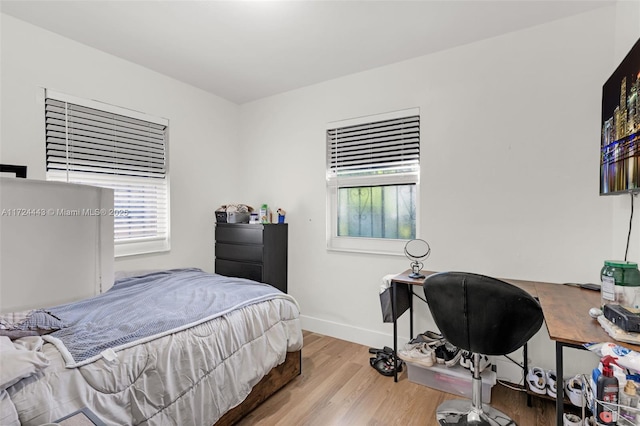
(377, 211)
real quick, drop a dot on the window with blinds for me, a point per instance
(373, 169)
(95, 144)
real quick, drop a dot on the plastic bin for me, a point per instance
(456, 380)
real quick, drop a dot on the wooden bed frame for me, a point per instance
(270, 384)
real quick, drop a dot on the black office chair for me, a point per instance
(482, 315)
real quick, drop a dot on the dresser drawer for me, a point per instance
(241, 252)
(232, 268)
(244, 234)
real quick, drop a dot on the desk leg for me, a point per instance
(410, 312)
(560, 387)
(395, 330)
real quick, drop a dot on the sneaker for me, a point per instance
(418, 353)
(447, 354)
(573, 388)
(537, 380)
(571, 420)
(551, 383)
(466, 360)
(428, 337)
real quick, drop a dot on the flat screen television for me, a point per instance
(620, 139)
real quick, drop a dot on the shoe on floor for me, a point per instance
(418, 353)
(447, 354)
(537, 380)
(573, 389)
(385, 364)
(552, 380)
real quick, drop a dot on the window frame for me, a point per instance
(369, 245)
(124, 247)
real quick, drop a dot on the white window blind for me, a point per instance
(381, 147)
(96, 146)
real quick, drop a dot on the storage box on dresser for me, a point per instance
(455, 380)
(254, 251)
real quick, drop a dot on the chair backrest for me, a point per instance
(482, 314)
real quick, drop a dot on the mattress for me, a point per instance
(190, 377)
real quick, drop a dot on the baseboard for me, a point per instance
(362, 336)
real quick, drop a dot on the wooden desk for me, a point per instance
(566, 315)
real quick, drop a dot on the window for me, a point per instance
(373, 169)
(98, 144)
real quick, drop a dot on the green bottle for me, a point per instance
(264, 214)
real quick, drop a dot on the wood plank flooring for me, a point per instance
(338, 387)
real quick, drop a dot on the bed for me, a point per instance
(168, 347)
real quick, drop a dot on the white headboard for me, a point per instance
(56, 243)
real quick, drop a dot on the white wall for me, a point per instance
(202, 128)
(510, 133)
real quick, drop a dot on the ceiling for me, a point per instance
(247, 50)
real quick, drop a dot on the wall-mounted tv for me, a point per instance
(620, 139)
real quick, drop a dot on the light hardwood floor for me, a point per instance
(338, 387)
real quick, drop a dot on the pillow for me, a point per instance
(18, 364)
(28, 323)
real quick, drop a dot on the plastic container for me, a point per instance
(620, 284)
(238, 217)
(628, 400)
(455, 380)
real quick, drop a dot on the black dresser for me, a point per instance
(257, 252)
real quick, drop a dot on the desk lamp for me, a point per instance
(416, 251)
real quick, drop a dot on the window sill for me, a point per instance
(143, 247)
(378, 246)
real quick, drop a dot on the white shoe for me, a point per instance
(419, 353)
(571, 420)
(537, 380)
(466, 360)
(573, 388)
(552, 389)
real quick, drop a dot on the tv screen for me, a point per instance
(620, 139)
